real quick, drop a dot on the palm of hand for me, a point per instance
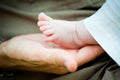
(32, 53)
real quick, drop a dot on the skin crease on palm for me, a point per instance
(65, 33)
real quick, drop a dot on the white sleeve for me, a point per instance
(104, 26)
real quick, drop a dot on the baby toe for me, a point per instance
(44, 17)
(48, 32)
(41, 16)
(42, 23)
(44, 28)
(50, 38)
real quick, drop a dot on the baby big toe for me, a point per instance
(44, 17)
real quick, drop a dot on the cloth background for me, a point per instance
(19, 17)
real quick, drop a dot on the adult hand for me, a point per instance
(30, 52)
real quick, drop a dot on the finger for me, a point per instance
(70, 63)
(88, 53)
(65, 59)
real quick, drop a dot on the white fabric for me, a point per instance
(104, 26)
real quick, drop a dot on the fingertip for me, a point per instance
(71, 65)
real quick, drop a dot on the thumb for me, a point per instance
(64, 58)
(70, 63)
(88, 53)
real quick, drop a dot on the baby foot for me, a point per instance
(64, 33)
(60, 32)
